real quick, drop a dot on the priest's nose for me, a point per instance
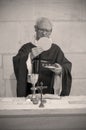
(44, 33)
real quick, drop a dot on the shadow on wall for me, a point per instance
(12, 88)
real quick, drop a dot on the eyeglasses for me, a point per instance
(43, 30)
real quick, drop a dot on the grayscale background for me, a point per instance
(17, 18)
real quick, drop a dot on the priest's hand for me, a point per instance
(36, 51)
(56, 68)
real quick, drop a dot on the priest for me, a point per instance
(44, 58)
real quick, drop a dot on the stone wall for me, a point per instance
(17, 18)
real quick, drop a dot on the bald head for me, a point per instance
(44, 23)
(43, 27)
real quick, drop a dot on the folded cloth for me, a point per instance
(29, 64)
(57, 84)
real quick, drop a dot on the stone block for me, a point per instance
(78, 65)
(78, 87)
(0, 61)
(83, 10)
(8, 67)
(10, 88)
(14, 34)
(29, 10)
(9, 37)
(70, 36)
(2, 84)
(27, 32)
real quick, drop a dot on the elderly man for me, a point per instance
(45, 58)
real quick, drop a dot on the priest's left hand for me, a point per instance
(56, 68)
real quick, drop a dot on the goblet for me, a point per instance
(34, 79)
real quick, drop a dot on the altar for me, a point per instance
(58, 113)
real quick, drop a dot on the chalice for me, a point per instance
(34, 79)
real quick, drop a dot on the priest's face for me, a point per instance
(43, 28)
(42, 32)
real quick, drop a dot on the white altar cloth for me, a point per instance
(52, 102)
